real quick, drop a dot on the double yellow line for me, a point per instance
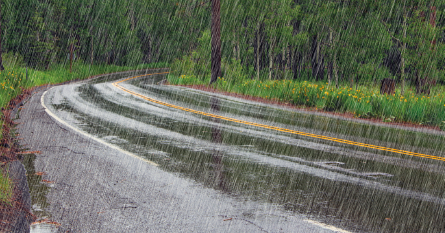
(116, 84)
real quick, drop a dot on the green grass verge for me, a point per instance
(13, 80)
(364, 102)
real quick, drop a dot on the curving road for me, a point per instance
(121, 153)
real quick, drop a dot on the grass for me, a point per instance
(364, 102)
(5, 189)
(14, 79)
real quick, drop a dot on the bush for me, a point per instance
(184, 66)
(12, 60)
(371, 72)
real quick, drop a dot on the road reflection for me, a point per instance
(217, 155)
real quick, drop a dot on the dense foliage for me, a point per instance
(338, 41)
(121, 32)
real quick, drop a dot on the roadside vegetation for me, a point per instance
(363, 101)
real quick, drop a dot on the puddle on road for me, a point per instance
(43, 228)
(38, 189)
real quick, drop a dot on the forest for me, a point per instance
(305, 51)
(310, 39)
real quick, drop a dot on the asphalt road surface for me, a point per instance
(121, 153)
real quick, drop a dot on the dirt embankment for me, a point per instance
(15, 216)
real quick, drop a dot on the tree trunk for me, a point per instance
(317, 60)
(258, 55)
(320, 64)
(335, 68)
(289, 57)
(402, 59)
(92, 50)
(330, 63)
(238, 57)
(283, 61)
(71, 56)
(330, 72)
(296, 67)
(271, 48)
(133, 23)
(1, 59)
(216, 41)
(314, 58)
(234, 46)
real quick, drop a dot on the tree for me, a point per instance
(278, 29)
(416, 34)
(1, 60)
(216, 41)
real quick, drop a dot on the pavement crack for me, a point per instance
(65, 148)
(124, 203)
(248, 221)
(242, 219)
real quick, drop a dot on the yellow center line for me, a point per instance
(359, 144)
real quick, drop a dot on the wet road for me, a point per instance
(276, 169)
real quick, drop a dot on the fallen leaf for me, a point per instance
(29, 152)
(227, 219)
(46, 221)
(39, 173)
(48, 181)
(388, 219)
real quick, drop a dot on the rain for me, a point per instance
(222, 116)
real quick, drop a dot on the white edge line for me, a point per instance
(91, 136)
(326, 226)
